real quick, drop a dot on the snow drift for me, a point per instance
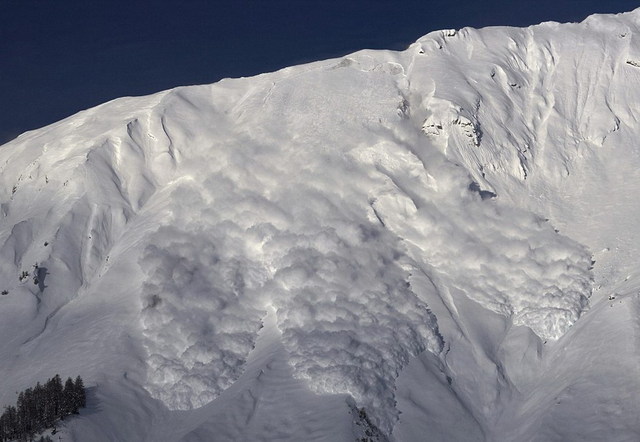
(416, 234)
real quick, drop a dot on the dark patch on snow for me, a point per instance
(366, 431)
(39, 277)
(484, 194)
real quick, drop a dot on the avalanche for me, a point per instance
(433, 244)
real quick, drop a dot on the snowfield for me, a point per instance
(436, 244)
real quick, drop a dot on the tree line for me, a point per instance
(41, 407)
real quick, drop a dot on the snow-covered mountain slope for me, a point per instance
(434, 244)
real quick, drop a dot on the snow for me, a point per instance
(432, 236)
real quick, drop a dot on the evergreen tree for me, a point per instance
(39, 398)
(4, 427)
(41, 407)
(54, 400)
(68, 397)
(20, 413)
(80, 396)
(10, 418)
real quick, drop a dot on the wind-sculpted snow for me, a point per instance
(387, 209)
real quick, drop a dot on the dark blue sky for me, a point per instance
(60, 56)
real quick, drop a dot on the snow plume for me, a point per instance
(268, 211)
(507, 259)
(366, 323)
(197, 325)
(523, 270)
(199, 312)
(323, 215)
(348, 316)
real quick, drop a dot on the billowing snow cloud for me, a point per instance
(294, 198)
(198, 327)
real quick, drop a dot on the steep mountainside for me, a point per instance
(435, 244)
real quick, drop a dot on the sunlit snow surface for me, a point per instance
(421, 225)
